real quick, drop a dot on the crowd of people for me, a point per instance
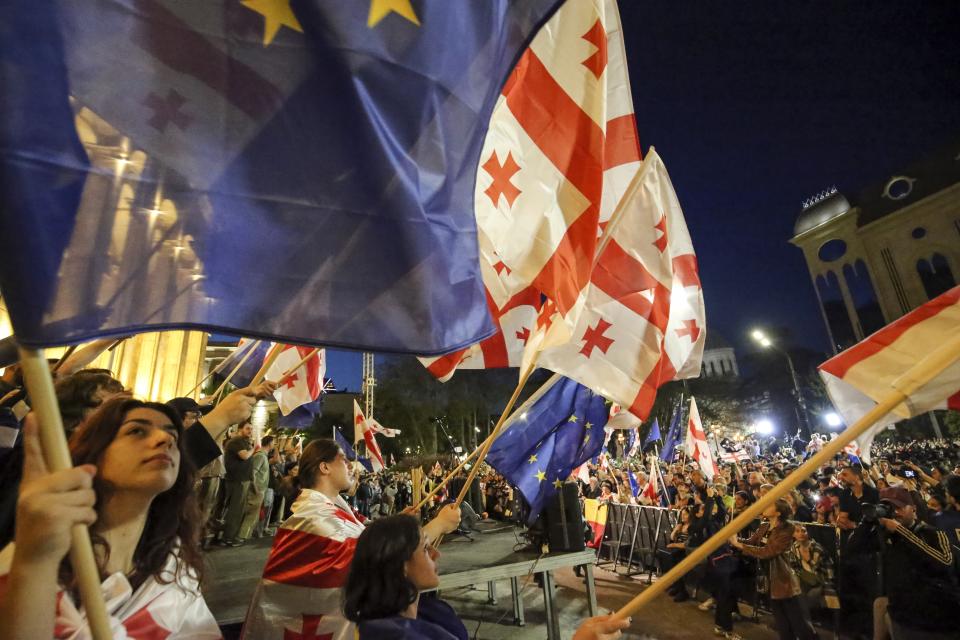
(136, 486)
(852, 540)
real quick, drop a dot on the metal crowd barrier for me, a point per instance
(633, 535)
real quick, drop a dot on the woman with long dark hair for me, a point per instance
(133, 484)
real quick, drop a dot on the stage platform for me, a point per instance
(497, 552)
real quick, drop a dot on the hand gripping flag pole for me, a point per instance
(43, 399)
(902, 388)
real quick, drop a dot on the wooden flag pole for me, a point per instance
(496, 432)
(243, 361)
(66, 355)
(267, 363)
(450, 475)
(907, 384)
(43, 401)
(292, 370)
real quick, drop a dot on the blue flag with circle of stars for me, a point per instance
(295, 170)
(559, 428)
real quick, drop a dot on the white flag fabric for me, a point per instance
(387, 432)
(155, 610)
(698, 449)
(643, 322)
(859, 377)
(561, 148)
(306, 383)
(363, 431)
(300, 593)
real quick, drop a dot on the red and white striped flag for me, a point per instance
(363, 431)
(697, 447)
(306, 383)
(300, 593)
(560, 151)
(858, 378)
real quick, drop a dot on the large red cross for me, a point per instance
(167, 110)
(593, 338)
(597, 36)
(310, 625)
(501, 174)
(691, 329)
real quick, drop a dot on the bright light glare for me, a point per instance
(765, 342)
(832, 420)
(523, 416)
(758, 335)
(763, 427)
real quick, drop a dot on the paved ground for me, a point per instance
(234, 573)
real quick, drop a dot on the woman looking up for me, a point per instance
(134, 486)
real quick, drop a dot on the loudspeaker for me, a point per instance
(563, 520)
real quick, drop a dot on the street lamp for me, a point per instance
(764, 341)
(833, 420)
(763, 427)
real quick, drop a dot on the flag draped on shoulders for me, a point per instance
(551, 434)
(858, 378)
(297, 171)
(300, 590)
(156, 610)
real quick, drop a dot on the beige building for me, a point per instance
(719, 359)
(894, 247)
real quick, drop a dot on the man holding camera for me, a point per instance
(919, 578)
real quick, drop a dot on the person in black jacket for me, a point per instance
(919, 577)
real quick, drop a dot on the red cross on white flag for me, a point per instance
(697, 447)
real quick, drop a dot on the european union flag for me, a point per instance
(559, 428)
(301, 417)
(298, 170)
(344, 444)
(653, 435)
(674, 435)
(248, 356)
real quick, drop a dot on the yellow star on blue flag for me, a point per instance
(380, 9)
(573, 418)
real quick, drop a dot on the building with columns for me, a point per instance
(875, 257)
(719, 359)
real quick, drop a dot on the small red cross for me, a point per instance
(501, 174)
(143, 626)
(523, 335)
(167, 110)
(596, 36)
(691, 329)
(594, 338)
(310, 624)
(501, 266)
(291, 381)
(661, 242)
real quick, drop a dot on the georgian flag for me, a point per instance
(363, 431)
(650, 491)
(697, 447)
(858, 378)
(155, 611)
(305, 384)
(386, 432)
(561, 149)
(299, 595)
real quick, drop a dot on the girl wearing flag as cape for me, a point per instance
(133, 484)
(312, 552)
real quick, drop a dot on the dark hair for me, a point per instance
(76, 394)
(783, 509)
(266, 441)
(952, 486)
(173, 518)
(319, 450)
(377, 586)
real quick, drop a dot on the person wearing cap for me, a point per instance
(919, 578)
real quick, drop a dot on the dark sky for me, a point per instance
(755, 106)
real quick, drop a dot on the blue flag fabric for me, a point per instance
(251, 353)
(559, 428)
(299, 171)
(632, 479)
(301, 417)
(674, 435)
(653, 435)
(344, 444)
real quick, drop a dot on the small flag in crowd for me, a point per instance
(854, 454)
(301, 417)
(248, 356)
(674, 435)
(344, 444)
(595, 515)
(653, 435)
(305, 384)
(310, 181)
(698, 449)
(632, 480)
(556, 430)
(650, 490)
(362, 431)
(858, 378)
(382, 430)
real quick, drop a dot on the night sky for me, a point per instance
(755, 107)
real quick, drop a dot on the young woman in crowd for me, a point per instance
(133, 484)
(675, 551)
(393, 563)
(771, 542)
(314, 548)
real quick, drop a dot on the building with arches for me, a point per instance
(719, 359)
(893, 248)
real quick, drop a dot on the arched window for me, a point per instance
(935, 275)
(864, 296)
(833, 308)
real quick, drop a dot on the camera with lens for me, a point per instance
(871, 513)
